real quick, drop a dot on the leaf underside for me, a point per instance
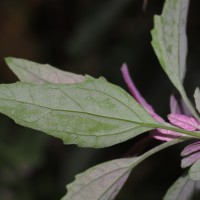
(169, 39)
(169, 42)
(194, 172)
(104, 181)
(93, 113)
(32, 72)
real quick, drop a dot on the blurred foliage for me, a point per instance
(89, 37)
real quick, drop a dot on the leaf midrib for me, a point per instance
(72, 111)
(143, 124)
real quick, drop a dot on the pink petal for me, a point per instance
(189, 160)
(192, 153)
(136, 94)
(178, 107)
(159, 134)
(191, 148)
(165, 135)
(174, 106)
(183, 121)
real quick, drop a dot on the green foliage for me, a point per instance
(107, 178)
(104, 115)
(111, 175)
(170, 43)
(94, 113)
(169, 40)
(32, 72)
(194, 171)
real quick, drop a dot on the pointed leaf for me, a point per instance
(194, 171)
(93, 113)
(104, 181)
(170, 45)
(183, 189)
(169, 39)
(32, 72)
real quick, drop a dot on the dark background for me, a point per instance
(88, 37)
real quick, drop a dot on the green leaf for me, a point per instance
(183, 189)
(104, 181)
(194, 171)
(32, 72)
(197, 99)
(169, 39)
(170, 43)
(93, 113)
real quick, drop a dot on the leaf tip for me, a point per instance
(8, 59)
(196, 92)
